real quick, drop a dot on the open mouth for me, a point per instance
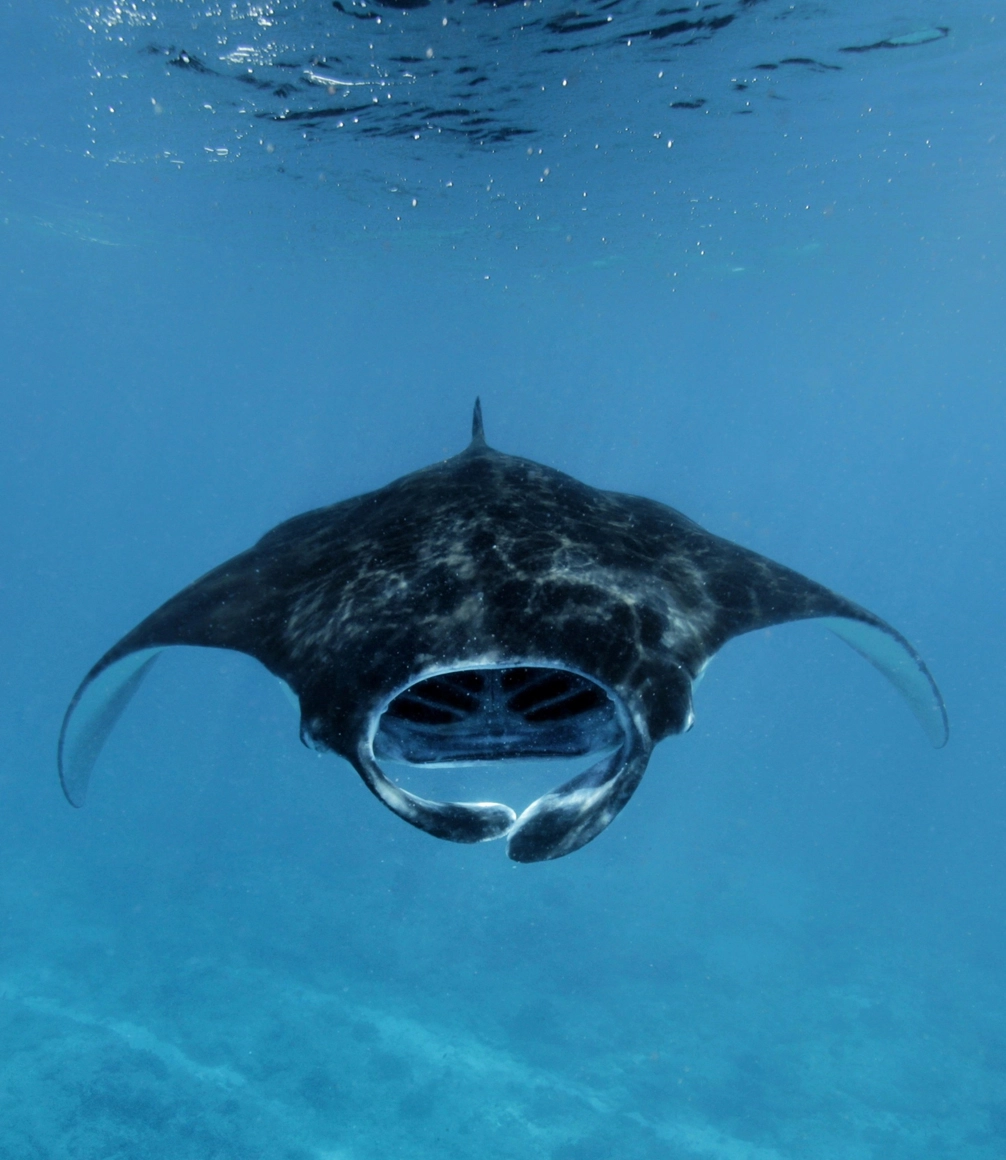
(494, 713)
(491, 714)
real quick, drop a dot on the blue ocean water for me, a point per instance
(738, 268)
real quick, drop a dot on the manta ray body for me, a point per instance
(487, 607)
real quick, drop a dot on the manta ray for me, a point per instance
(487, 608)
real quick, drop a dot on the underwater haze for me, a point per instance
(743, 258)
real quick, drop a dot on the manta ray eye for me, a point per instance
(472, 715)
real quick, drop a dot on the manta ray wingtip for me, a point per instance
(478, 431)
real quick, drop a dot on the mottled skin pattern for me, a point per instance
(488, 560)
(484, 557)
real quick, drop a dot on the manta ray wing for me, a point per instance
(240, 606)
(753, 592)
(248, 605)
(889, 652)
(92, 715)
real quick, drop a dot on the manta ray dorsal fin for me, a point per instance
(97, 706)
(478, 431)
(888, 651)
